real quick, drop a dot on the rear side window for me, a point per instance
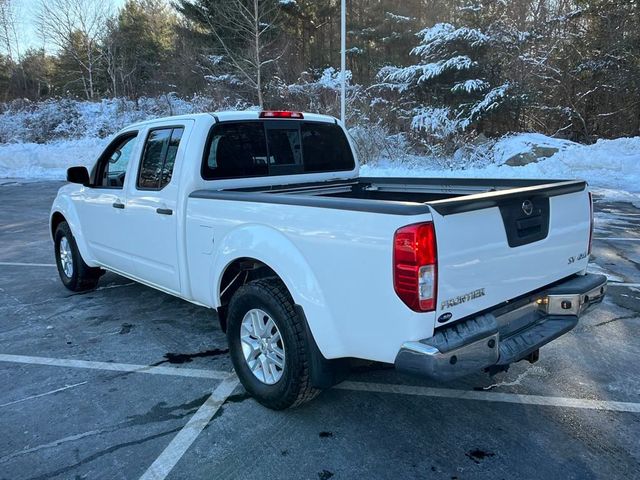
(236, 150)
(268, 148)
(159, 157)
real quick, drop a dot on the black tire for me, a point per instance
(83, 277)
(294, 387)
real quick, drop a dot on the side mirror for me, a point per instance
(78, 175)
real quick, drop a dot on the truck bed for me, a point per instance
(399, 195)
(489, 244)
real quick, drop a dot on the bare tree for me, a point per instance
(245, 31)
(76, 27)
(8, 31)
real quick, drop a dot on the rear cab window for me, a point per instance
(278, 147)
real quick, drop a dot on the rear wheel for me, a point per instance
(76, 275)
(268, 345)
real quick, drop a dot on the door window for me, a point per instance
(112, 165)
(159, 157)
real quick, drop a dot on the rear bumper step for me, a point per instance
(505, 335)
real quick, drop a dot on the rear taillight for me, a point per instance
(281, 114)
(415, 266)
(591, 225)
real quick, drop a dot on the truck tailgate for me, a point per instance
(497, 246)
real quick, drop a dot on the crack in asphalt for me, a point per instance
(102, 453)
(625, 317)
(158, 413)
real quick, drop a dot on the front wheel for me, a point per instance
(268, 345)
(76, 275)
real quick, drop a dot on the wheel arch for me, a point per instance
(63, 210)
(270, 253)
(56, 219)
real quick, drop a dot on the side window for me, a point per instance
(236, 150)
(111, 168)
(158, 158)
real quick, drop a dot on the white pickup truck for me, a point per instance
(263, 217)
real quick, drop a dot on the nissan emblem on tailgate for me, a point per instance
(527, 207)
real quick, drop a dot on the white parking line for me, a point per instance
(115, 367)
(171, 455)
(354, 386)
(492, 396)
(20, 264)
(621, 284)
(618, 239)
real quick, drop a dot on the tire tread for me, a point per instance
(301, 389)
(85, 277)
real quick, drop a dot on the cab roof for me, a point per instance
(232, 115)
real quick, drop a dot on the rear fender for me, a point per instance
(275, 250)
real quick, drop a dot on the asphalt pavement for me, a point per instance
(125, 382)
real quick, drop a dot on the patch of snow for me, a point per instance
(512, 145)
(48, 161)
(404, 75)
(398, 18)
(612, 167)
(593, 267)
(470, 86)
(330, 79)
(492, 100)
(434, 38)
(435, 121)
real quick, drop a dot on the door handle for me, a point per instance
(164, 211)
(118, 205)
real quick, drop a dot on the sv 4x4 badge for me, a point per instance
(582, 256)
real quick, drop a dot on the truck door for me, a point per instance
(102, 205)
(152, 203)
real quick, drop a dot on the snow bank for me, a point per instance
(48, 161)
(520, 144)
(65, 119)
(612, 167)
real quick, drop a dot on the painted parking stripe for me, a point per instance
(621, 284)
(492, 396)
(115, 367)
(171, 455)
(618, 239)
(348, 385)
(21, 264)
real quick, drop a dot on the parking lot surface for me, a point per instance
(125, 382)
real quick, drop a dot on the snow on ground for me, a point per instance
(512, 145)
(612, 167)
(48, 161)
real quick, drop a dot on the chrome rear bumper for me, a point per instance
(505, 335)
